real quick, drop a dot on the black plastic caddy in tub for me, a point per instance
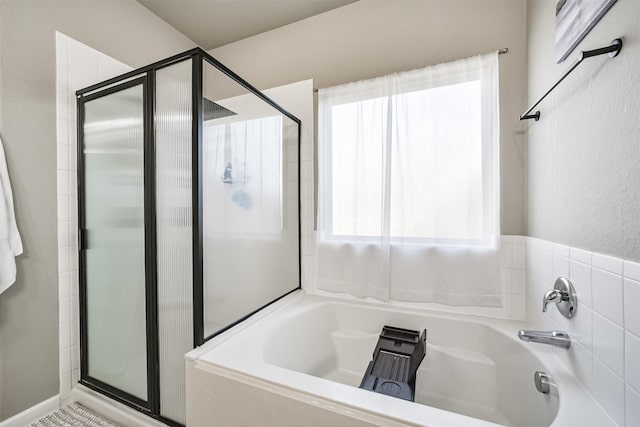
(396, 359)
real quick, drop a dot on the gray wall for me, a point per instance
(372, 38)
(122, 29)
(584, 178)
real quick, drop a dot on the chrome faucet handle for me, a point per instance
(563, 295)
(551, 296)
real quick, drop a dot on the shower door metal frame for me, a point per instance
(198, 320)
(152, 402)
(147, 75)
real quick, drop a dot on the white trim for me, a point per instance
(34, 413)
(115, 411)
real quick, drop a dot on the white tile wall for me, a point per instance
(608, 343)
(77, 66)
(632, 306)
(632, 407)
(607, 295)
(632, 360)
(609, 389)
(514, 274)
(605, 331)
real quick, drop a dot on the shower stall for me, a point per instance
(188, 187)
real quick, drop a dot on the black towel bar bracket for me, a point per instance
(613, 50)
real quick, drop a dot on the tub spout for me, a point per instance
(556, 338)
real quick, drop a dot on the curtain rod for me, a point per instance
(500, 52)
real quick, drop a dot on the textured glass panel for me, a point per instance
(173, 124)
(250, 202)
(115, 273)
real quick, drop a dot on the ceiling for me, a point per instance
(214, 23)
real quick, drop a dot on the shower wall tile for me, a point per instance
(64, 285)
(82, 66)
(632, 306)
(518, 280)
(65, 311)
(632, 357)
(75, 376)
(77, 66)
(63, 259)
(75, 358)
(580, 276)
(75, 333)
(632, 270)
(63, 233)
(65, 388)
(583, 363)
(65, 360)
(632, 406)
(561, 250)
(560, 266)
(609, 389)
(63, 157)
(506, 252)
(581, 326)
(62, 53)
(580, 255)
(63, 183)
(608, 343)
(518, 253)
(63, 208)
(607, 263)
(65, 336)
(607, 289)
(62, 98)
(605, 330)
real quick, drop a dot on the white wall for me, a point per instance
(29, 316)
(584, 152)
(376, 37)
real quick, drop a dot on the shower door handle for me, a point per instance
(83, 239)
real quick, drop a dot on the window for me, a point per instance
(411, 157)
(408, 195)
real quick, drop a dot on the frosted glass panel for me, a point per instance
(250, 202)
(114, 223)
(174, 232)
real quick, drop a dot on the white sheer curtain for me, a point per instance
(408, 205)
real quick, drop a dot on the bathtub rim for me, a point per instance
(580, 409)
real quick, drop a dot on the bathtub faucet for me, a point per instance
(556, 338)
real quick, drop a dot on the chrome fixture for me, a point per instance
(227, 177)
(555, 338)
(564, 296)
(542, 382)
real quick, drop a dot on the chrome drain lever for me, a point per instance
(542, 381)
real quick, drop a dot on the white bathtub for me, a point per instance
(300, 362)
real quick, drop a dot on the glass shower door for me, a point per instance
(112, 221)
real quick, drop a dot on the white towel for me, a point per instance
(10, 242)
